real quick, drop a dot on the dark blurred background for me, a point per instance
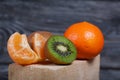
(26, 16)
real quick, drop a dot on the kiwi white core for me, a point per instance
(62, 48)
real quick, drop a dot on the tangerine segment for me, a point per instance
(87, 38)
(20, 51)
(37, 42)
(45, 34)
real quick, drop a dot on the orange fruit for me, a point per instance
(87, 38)
(20, 51)
(37, 42)
(45, 34)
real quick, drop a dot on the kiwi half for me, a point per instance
(60, 50)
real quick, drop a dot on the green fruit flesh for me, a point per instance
(61, 50)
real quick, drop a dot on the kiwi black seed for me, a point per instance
(60, 50)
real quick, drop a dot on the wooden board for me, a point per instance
(78, 70)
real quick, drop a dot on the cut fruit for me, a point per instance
(60, 50)
(45, 34)
(20, 51)
(37, 42)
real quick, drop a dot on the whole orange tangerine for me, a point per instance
(87, 38)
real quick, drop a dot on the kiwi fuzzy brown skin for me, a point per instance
(49, 55)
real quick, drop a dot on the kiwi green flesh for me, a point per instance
(60, 50)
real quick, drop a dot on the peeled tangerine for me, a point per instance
(20, 51)
(37, 42)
